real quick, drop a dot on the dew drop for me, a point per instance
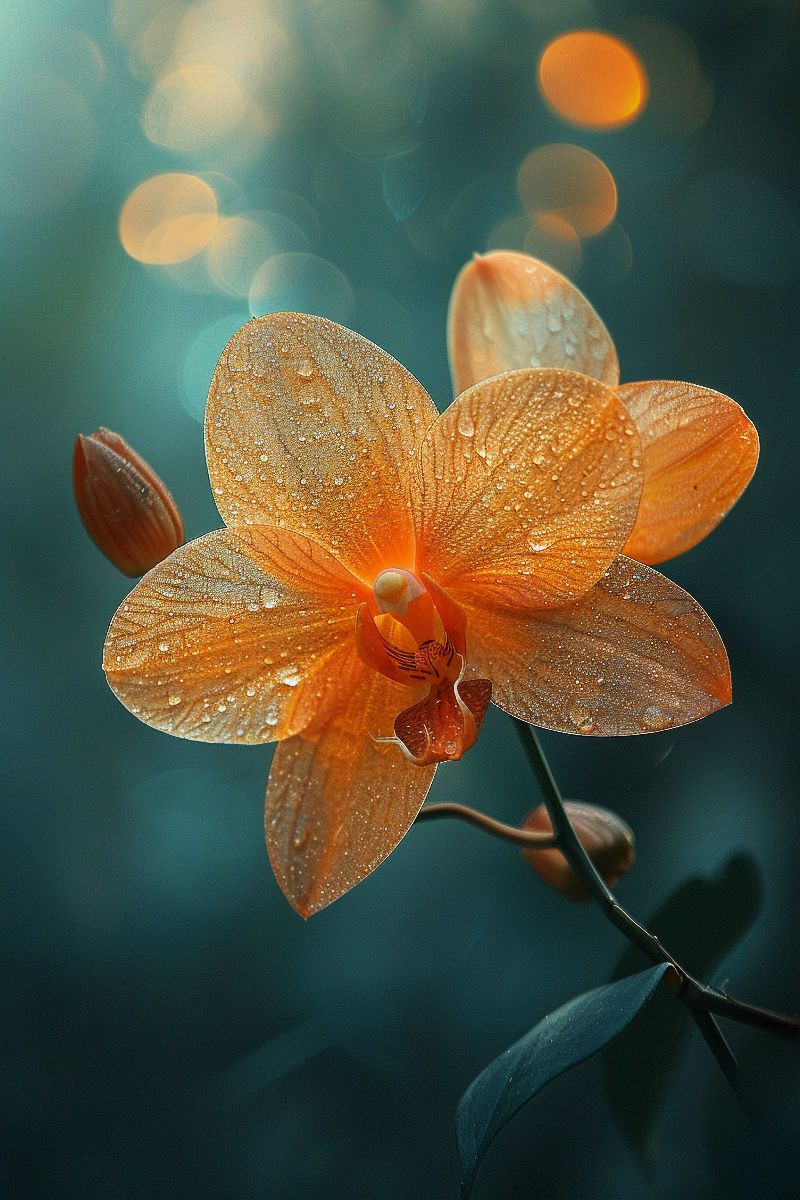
(581, 716)
(305, 368)
(163, 647)
(173, 699)
(654, 717)
(466, 426)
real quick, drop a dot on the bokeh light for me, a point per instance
(71, 55)
(168, 218)
(554, 240)
(592, 79)
(405, 182)
(380, 86)
(295, 282)
(241, 244)
(569, 183)
(681, 94)
(548, 237)
(204, 108)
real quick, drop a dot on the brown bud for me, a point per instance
(127, 510)
(605, 837)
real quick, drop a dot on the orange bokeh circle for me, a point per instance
(592, 79)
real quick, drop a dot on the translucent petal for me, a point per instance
(338, 803)
(313, 428)
(509, 311)
(529, 486)
(699, 452)
(442, 726)
(635, 655)
(237, 636)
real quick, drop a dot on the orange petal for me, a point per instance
(338, 803)
(699, 452)
(509, 310)
(234, 637)
(312, 428)
(528, 489)
(635, 655)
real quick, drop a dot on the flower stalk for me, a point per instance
(703, 1002)
(527, 838)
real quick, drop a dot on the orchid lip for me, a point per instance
(445, 721)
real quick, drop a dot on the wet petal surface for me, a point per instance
(337, 803)
(234, 637)
(311, 427)
(509, 311)
(699, 452)
(529, 486)
(637, 654)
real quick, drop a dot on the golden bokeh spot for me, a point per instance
(196, 107)
(570, 184)
(593, 80)
(554, 240)
(168, 218)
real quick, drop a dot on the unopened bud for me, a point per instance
(127, 510)
(605, 837)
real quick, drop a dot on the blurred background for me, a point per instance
(170, 169)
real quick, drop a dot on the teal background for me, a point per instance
(172, 1027)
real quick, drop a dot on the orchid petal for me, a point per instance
(699, 452)
(509, 311)
(635, 655)
(311, 427)
(529, 486)
(338, 803)
(234, 637)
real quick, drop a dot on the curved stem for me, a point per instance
(584, 868)
(702, 1000)
(508, 833)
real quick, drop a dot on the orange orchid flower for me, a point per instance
(385, 570)
(699, 450)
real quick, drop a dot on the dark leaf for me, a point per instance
(699, 923)
(562, 1040)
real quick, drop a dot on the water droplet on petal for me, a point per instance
(581, 716)
(654, 717)
(466, 426)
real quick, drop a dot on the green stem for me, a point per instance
(702, 1001)
(584, 868)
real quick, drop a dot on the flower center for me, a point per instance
(446, 720)
(394, 590)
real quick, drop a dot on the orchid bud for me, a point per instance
(127, 510)
(605, 837)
